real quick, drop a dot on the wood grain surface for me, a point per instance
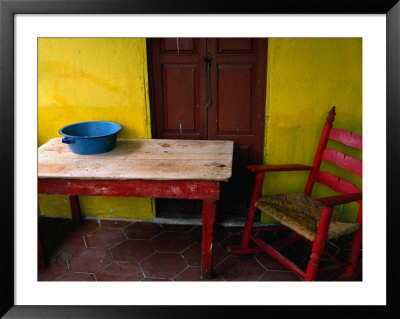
(147, 159)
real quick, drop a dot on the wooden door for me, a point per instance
(212, 89)
(178, 74)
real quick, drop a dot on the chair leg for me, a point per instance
(252, 210)
(318, 244)
(354, 253)
(355, 246)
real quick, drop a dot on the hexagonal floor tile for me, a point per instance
(71, 245)
(294, 256)
(240, 268)
(120, 272)
(172, 241)
(163, 265)
(232, 240)
(132, 250)
(108, 223)
(90, 260)
(73, 276)
(192, 255)
(220, 233)
(270, 263)
(55, 269)
(194, 274)
(156, 279)
(142, 230)
(88, 226)
(104, 238)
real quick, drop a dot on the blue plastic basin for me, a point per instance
(90, 137)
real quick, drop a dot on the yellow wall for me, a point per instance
(85, 79)
(305, 78)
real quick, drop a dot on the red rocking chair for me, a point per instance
(312, 220)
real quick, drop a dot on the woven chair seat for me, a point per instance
(301, 214)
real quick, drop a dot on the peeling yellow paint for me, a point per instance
(46, 204)
(305, 78)
(90, 79)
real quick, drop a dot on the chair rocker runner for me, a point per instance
(312, 220)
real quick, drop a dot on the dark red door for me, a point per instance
(212, 89)
(178, 88)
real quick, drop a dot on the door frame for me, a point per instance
(151, 86)
(152, 93)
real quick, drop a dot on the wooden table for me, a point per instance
(186, 169)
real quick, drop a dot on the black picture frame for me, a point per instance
(8, 8)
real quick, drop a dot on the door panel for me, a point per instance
(237, 88)
(180, 92)
(180, 45)
(234, 99)
(235, 45)
(178, 73)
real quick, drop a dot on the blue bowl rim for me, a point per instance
(87, 137)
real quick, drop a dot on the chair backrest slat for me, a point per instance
(346, 137)
(343, 161)
(336, 183)
(335, 157)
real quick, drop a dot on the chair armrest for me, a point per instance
(279, 168)
(339, 199)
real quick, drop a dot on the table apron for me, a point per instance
(131, 188)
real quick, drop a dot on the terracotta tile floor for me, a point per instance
(105, 250)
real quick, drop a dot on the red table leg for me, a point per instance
(209, 208)
(75, 211)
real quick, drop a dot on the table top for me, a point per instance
(145, 159)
